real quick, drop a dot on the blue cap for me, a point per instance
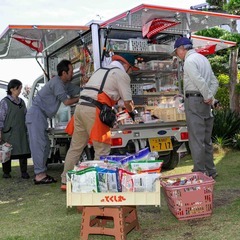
(182, 41)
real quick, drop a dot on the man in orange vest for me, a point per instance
(87, 124)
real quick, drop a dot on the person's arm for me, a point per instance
(70, 101)
(129, 105)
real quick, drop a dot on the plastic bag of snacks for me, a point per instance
(84, 181)
(5, 152)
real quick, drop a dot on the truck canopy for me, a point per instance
(29, 41)
(157, 23)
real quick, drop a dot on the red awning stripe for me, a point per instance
(155, 26)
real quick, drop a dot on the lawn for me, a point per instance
(30, 212)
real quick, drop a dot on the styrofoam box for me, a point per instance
(114, 199)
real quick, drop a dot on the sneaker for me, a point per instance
(25, 175)
(7, 175)
(64, 187)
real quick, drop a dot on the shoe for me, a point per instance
(7, 175)
(214, 175)
(47, 180)
(64, 187)
(25, 175)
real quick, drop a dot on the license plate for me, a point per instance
(160, 144)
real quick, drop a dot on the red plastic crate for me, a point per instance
(190, 201)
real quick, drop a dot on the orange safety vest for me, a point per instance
(101, 132)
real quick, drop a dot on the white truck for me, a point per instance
(3, 89)
(148, 32)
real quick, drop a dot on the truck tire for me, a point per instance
(170, 160)
(86, 154)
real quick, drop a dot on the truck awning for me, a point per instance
(207, 45)
(190, 20)
(29, 41)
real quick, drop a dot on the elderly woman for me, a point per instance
(13, 129)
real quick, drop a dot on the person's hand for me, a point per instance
(208, 101)
(133, 114)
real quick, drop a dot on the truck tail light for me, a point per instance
(116, 141)
(184, 136)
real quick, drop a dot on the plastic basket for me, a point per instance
(138, 44)
(191, 200)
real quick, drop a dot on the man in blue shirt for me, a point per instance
(45, 105)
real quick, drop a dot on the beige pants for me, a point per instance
(84, 117)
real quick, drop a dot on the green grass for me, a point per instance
(29, 212)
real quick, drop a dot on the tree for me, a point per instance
(232, 7)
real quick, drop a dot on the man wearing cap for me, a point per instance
(87, 124)
(200, 86)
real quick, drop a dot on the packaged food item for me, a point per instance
(84, 181)
(141, 166)
(145, 182)
(126, 180)
(108, 180)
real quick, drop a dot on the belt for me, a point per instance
(193, 95)
(87, 104)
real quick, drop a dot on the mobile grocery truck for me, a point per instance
(146, 31)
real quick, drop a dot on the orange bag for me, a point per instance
(70, 126)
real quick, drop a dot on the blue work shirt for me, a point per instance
(55, 91)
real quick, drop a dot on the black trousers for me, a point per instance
(6, 167)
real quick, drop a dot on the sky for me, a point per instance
(62, 12)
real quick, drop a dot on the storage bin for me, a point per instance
(189, 201)
(138, 44)
(165, 114)
(114, 198)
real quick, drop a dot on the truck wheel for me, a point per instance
(55, 158)
(170, 160)
(86, 154)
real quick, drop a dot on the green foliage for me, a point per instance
(216, 3)
(233, 7)
(236, 141)
(226, 126)
(223, 79)
(219, 64)
(235, 37)
(215, 32)
(223, 96)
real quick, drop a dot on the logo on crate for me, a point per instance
(113, 198)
